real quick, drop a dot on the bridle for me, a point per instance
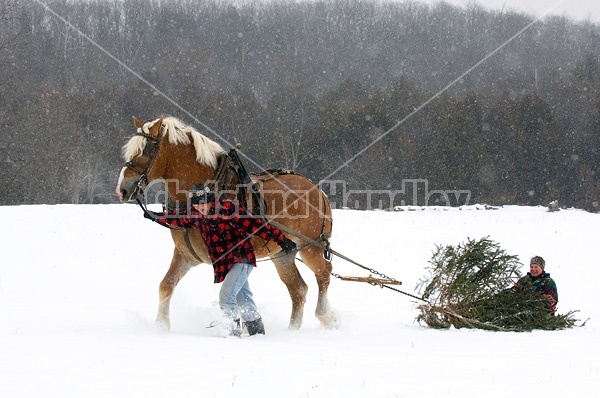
(142, 169)
(150, 152)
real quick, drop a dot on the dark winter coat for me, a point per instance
(226, 230)
(543, 284)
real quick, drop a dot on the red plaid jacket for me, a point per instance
(227, 230)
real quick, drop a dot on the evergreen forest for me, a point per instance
(361, 94)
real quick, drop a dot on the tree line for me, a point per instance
(364, 92)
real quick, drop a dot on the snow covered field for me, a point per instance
(78, 296)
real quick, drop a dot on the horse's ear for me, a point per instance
(137, 123)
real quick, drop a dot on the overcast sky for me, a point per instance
(576, 9)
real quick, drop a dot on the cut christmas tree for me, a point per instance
(471, 286)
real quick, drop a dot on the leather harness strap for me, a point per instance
(230, 167)
(188, 243)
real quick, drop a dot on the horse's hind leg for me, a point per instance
(313, 257)
(177, 270)
(297, 288)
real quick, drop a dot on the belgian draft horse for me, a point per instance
(167, 149)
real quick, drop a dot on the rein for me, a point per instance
(144, 207)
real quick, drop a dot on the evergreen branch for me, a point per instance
(470, 285)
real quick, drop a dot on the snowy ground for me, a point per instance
(78, 295)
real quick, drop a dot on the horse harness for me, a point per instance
(230, 171)
(230, 176)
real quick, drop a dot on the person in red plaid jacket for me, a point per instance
(226, 228)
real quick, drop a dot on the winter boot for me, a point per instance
(235, 329)
(255, 327)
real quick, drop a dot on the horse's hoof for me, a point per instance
(329, 321)
(294, 326)
(163, 325)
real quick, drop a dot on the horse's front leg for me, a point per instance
(177, 270)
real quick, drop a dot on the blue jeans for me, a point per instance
(235, 296)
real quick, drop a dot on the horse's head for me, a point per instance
(142, 160)
(166, 149)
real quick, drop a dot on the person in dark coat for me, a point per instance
(226, 228)
(541, 280)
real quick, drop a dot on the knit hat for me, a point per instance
(539, 261)
(199, 193)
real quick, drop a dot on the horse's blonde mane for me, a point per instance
(207, 150)
(134, 147)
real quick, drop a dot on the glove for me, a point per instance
(288, 246)
(150, 215)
